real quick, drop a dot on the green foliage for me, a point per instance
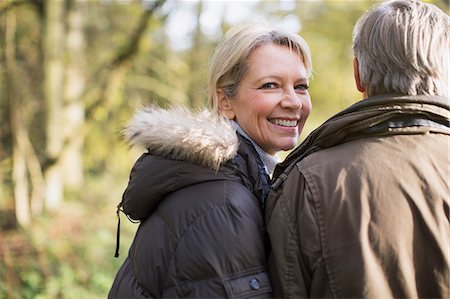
(69, 254)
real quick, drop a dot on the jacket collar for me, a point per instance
(381, 115)
(248, 166)
(268, 160)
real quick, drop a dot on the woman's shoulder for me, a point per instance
(223, 190)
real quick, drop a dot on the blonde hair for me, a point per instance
(228, 64)
(402, 46)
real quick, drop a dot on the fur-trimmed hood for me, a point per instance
(200, 137)
(186, 148)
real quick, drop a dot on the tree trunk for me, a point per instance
(196, 61)
(18, 131)
(74, 108)
(53, 92)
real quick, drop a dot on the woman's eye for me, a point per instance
(302, 86)
(269, 85)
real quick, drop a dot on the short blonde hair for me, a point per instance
(228, 64)
(402, 46)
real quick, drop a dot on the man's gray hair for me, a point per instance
(402, 46)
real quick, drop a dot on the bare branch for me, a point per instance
(136, 35)
(106, 72)
(5, 6)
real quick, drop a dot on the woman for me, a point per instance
(200, 189)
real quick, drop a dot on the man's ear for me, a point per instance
(359, 86)
(225, 107)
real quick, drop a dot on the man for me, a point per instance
(361, 208)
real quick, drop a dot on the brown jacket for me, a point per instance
(361, 208)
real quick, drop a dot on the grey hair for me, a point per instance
(228, 65)
(402, 46)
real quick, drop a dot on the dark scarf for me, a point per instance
(250, 168)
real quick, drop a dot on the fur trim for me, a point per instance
(201, 137)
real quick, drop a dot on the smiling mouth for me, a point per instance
(284, 122)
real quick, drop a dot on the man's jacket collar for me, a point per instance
(375, 116)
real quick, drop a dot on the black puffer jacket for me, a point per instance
(202, 233)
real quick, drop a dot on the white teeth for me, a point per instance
(284, 123)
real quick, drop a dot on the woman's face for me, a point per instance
(272, 102)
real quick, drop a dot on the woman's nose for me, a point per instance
(291, 99)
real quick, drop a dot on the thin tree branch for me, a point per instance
(122, 57)
(105, 73)
(5, 6)
(132, 47)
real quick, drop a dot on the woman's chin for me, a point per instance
(288, 146)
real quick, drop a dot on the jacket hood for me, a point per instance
(199, 137)
(184, 148)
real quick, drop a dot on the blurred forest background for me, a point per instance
(72, 72)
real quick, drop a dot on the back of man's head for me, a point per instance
(402, 46)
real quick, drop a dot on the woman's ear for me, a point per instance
(225, 107)
(359, 86)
